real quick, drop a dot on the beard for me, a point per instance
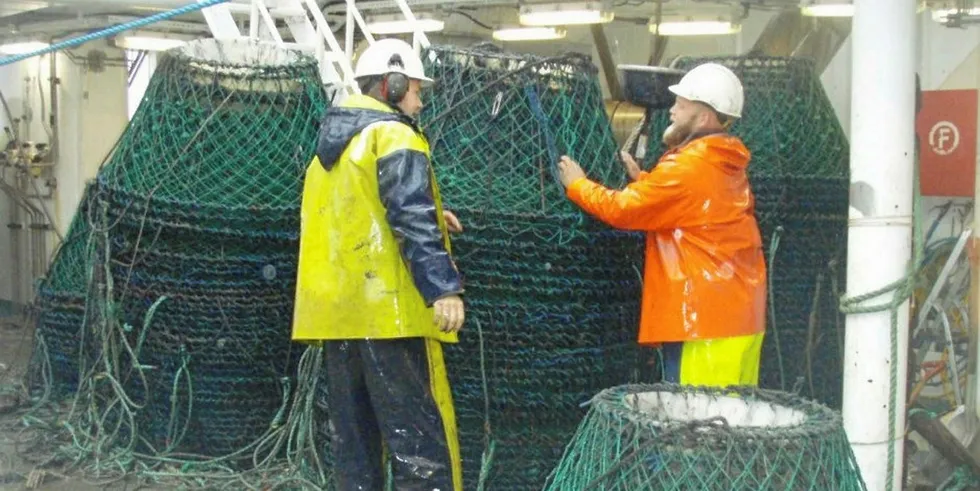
(676, 133)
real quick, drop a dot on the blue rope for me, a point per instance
(532, 96)
(69, 43)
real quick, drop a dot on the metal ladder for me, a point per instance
(310, 31)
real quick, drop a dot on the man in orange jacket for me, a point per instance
(704, 293)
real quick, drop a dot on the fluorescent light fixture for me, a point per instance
(828, 8)
(148, 42)
(23, 47)
(695, 28)
(567, 13)
(942, 15)
(529, 34)
(401, 25)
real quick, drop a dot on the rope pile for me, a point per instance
(669, 437)
(800, 176)
(185, 249)
(552, 296)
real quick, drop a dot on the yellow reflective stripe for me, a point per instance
(439, 384)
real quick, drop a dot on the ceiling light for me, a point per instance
(382, 25)
(828, 8)
(695, 28)
(561, 14)
(149, 42)
(22, 47)
(529, 34)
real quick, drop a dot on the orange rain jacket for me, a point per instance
(705, 273)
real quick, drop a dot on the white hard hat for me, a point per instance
(390, 56)
(714, 85)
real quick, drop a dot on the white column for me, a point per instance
(93, 113)
(879, 232)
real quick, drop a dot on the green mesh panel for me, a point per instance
(199, 203)
(670, 438)
(60, 304)
(552, 296)
(495, 145)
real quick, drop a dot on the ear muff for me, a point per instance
(394, 87)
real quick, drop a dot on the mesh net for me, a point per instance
(60, 304)
(672, 438)
(187, 245)
(552, 297)
(217, 147)
(498, 122)
(195, 220)
(799, 175)
(203, 198)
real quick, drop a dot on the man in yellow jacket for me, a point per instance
(704, 284)
(377, 285)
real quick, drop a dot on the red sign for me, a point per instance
(947, 132)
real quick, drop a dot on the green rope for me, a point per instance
(486, 460)
(773, 247)
(962, 479)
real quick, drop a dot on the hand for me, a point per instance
(630, 165)
(449, 313)
(452, 223)
(569, 170)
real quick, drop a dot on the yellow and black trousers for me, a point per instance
(389, 400)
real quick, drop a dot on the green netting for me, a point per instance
(70, 266)
(673, 438)
(799, 174)
(552, 296)
(194, 223)
(190, 237)
(202, 196)
(499, 122)
(224, 138)
(60, 305)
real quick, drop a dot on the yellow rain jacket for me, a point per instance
(374, 252)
